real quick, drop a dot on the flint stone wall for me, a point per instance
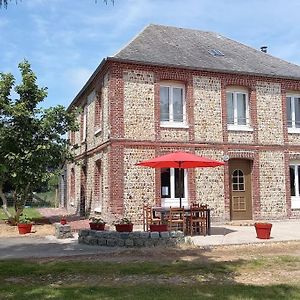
(130, 239)
(63, 231)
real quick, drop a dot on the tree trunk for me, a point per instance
(19, 205)
(4, 201)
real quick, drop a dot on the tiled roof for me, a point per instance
(172, 46)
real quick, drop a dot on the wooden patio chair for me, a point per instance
(149, 218)
(197, 220)
(176, 219)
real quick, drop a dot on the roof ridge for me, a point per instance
(184, 28)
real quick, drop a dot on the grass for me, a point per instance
(47, 199)
(144, 280)
(30, 212)
(150, 291)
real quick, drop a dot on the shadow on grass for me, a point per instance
(148, 291)
(145, 273)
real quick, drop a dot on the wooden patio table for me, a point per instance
(164, 210)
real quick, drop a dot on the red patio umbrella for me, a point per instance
(180, 160)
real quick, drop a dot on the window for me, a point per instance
(238, 181)
(170, 187)
(98, 113)
(293, 113)
(295, 184)
(172, 105)
(83, 128)
(215, 52)
(238, 110)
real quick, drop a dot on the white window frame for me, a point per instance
(171, 123)
(295, 200)
(173, 201)
(84, 124)
(293, 129)
(237, 126)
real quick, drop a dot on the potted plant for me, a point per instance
(63, 220)
(123, 225)
(24, 224)
(158, 227)
(97, 223)
(263, 230)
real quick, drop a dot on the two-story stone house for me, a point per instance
(173, 89)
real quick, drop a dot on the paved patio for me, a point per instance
(50, 246)
(230, 235)
(55, 214)
(221, 234)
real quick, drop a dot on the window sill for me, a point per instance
(295, 202)
(239, 128)
(294, 130)
(173, 202)
(97, 210)
(174, 125)
(98, 131)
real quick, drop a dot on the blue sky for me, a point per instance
(65, 40)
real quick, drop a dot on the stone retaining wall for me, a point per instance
(130, 239)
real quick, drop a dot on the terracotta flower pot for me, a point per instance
(158, 227)
(124, 227)
(24, 228)
(97, 226)
(63, 221)
(263, 230)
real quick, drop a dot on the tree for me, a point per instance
(32, 139)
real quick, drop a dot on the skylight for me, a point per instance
(215, 52)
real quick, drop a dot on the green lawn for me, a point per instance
(30, 212)
(47, 199)
(146, 280)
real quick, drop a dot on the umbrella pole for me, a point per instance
(180, 186)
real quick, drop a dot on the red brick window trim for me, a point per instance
(72, 137)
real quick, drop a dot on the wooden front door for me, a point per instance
(240, 189)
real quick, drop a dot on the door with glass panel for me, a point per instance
(173, 187)
(240, 189)
(295, 184)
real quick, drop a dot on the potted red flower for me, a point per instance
(158, 227)
(97, 223)
(123, 225)
(24, 224)
(263, 230)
